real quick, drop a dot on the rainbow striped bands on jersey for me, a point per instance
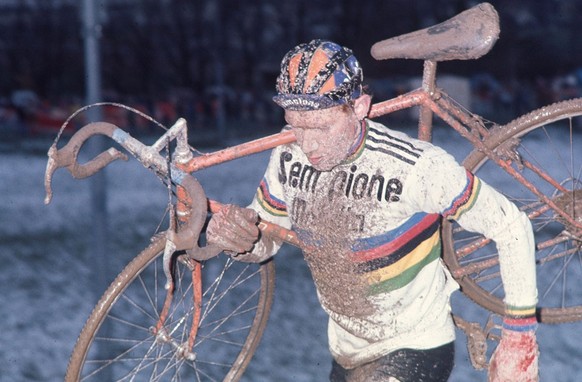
(520, 324)
(358, 147)
(519, 311)
(392, 260)
(465, 200)
(271, 204)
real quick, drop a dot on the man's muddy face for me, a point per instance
(325, 136)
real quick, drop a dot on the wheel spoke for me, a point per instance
(548, 147)
(118, 342)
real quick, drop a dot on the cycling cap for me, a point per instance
(318, 75)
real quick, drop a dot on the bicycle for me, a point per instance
(168, 297)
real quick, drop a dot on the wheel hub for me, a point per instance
(571, 203)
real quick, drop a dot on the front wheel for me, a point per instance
(545, 146)
(118, 342)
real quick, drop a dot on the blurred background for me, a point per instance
(214, 62)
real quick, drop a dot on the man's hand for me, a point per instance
(234, 229)
(516, 356)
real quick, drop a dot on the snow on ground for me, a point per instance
(48, 288)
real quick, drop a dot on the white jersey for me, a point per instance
(372, 232)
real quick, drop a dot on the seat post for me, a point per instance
(425, 114)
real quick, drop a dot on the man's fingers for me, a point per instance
(250, 215)
(238, 246)
(243, 221)
(233, 228)
(232, 243)
(246, 228)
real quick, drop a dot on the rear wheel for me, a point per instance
(550, 139)
(118, 341)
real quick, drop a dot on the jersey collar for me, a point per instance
(358, 146)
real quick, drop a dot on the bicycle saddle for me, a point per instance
(468, 35)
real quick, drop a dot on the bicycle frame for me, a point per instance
(191, 205)
(430, 100)
(469, 126)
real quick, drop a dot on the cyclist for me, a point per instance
(367, 201)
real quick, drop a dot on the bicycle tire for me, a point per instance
(123, 317)
(540, 131)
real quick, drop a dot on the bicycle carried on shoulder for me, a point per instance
(181, 311)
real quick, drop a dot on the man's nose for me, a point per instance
(309, 144)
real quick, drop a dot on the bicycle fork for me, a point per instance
(183, 213)
(182, 350)
(477, 338)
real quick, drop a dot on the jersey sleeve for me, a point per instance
(449, 189)
(270, 204)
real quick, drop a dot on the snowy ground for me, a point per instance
(47, 276)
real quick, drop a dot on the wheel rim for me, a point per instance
(120, 343)
(551, 144)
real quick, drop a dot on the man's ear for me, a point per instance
(362, 106)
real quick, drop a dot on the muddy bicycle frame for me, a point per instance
(468, 35)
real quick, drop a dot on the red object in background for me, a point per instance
(48, 123)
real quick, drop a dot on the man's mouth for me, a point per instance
(314, 160)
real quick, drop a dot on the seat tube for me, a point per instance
(425, 114)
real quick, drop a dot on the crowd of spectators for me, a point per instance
(228, 111)
(24, 114)
(507, 100)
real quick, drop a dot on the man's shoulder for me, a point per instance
(384, 141)
(378, 130)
